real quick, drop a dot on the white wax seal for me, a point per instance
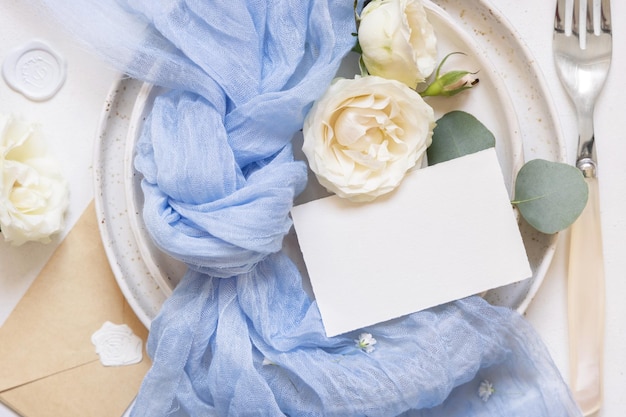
(117, 345)
(34, 70)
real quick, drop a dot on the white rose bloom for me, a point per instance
(398, 41)
(363, 135)
(33, 194)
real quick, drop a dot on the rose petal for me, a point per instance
(363, 148)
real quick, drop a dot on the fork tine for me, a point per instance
(573, 10)
(594, 17)
(559, 22)
(564, 17)
(605, 11)
(582, 16)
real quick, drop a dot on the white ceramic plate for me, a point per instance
(510, 100)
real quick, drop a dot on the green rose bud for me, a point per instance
(450, 83)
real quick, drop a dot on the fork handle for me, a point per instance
(586, 299)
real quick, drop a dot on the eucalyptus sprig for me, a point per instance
(458, 133)
(549, 195)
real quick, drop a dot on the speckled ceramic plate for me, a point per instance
(511, 101)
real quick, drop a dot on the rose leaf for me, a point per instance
(550, 195)
(458, 133)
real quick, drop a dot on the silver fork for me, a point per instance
(582, 47)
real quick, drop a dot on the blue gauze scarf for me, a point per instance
(240, 336)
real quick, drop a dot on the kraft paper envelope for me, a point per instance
(48, 365)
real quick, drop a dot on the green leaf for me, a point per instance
(458, 133)
(550, 195)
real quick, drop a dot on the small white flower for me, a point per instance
(485, 390)
(365, 342)
(267, 362)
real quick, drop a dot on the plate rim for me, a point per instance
(146, 317)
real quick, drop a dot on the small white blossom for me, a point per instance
(365, 342)
(267, 362)
(485, 390)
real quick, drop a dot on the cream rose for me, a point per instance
(363, 135)
(33, 194)
(398, 41)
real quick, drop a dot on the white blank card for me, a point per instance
(447, 232)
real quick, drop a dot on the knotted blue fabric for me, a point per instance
(240, 336)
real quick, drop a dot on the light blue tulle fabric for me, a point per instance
(240, 336)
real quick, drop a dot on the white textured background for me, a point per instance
(70, 119)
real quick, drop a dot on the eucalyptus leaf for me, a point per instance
(458, 133)
(550, 195)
